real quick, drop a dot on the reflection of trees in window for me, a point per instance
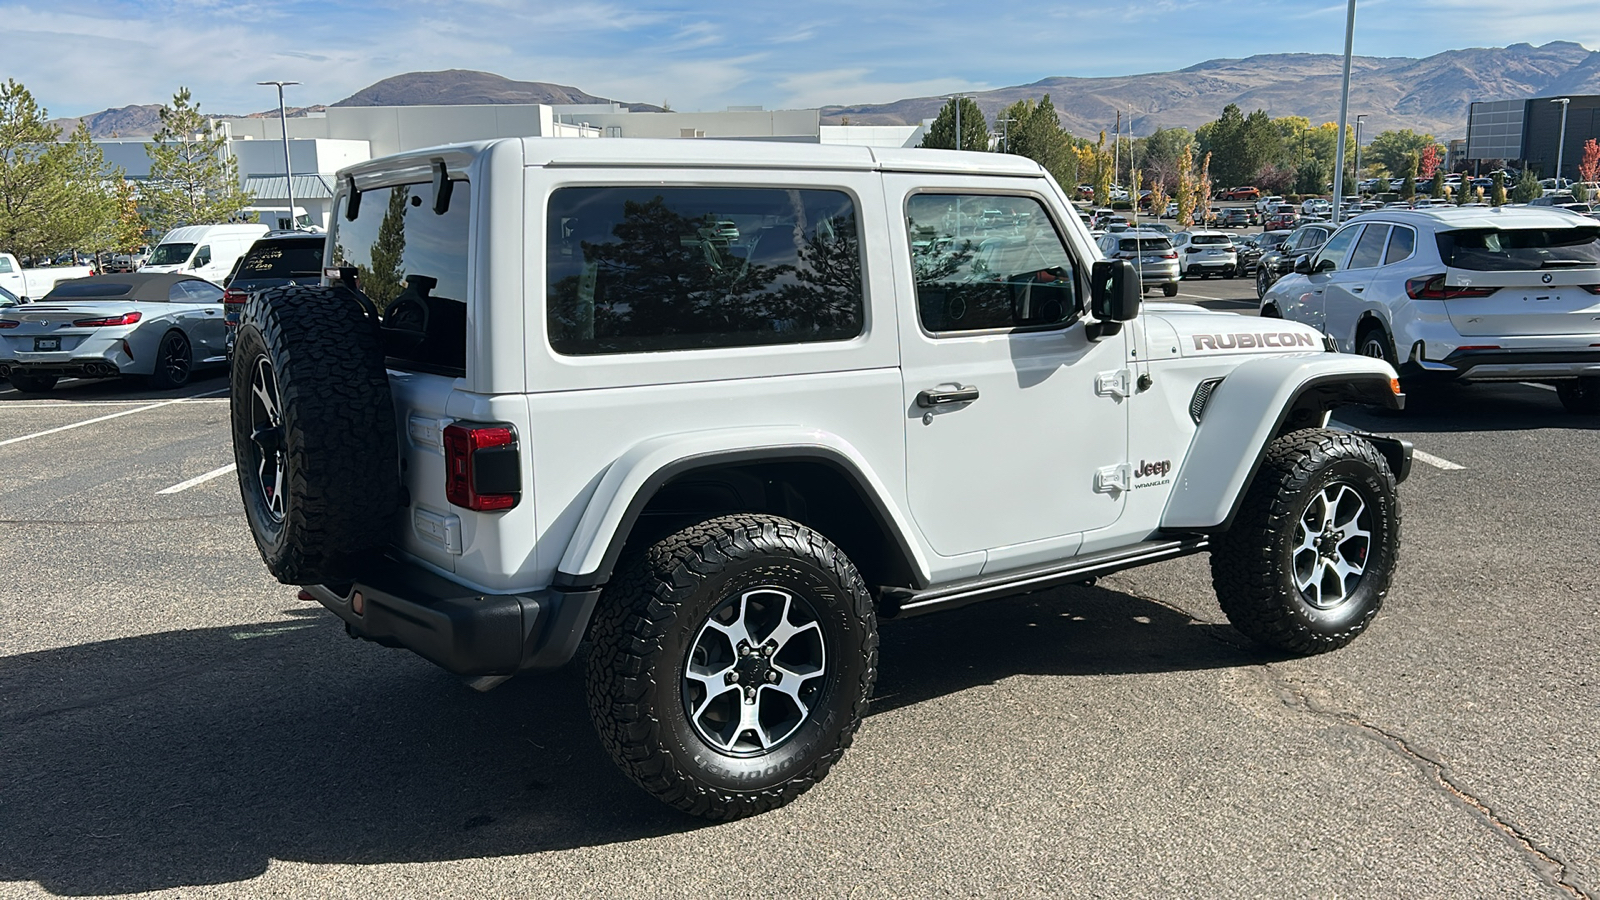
(384, 279)
(669, 280)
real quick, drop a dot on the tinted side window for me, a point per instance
(5, 265)
(1402, 243)
(1369, 250)
(1336, 246)
(412, 262)
(971, 276)
(640, 269)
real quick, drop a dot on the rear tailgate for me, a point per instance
(1542, 279)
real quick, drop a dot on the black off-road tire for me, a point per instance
(1581, 396)
(646, 629)
(32, 384)
(1253, 563)
(334, 435)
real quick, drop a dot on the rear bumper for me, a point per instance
(93, 367)
(459, 629)
(1501, 365)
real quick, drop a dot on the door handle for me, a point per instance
(939, 396)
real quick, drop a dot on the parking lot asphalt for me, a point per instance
(173, 721)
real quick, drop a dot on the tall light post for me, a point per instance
(288, 174)
(1357, 171)
(1344, 111)
(1005, 133)
(1561, 143)
(957, 99)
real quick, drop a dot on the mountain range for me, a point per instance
(1426, 95)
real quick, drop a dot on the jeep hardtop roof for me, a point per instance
(685, 153)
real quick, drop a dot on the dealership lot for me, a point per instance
(172, 720)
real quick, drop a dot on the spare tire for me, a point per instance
(313, 432)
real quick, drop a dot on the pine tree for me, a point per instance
(1527, 188)
(1034, 130)
(194, 179)
(974, 127)
(52, 193)
(385, 279)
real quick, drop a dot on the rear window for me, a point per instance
(282, 259)
(1518, 249)
(1211, 240)
(1145, 245)
(648, 269)
(412, 262)
(77, 290)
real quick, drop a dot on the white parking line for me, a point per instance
(74, 404)
(1435, 461)
(198, 479)
(115, 415)
(1542, 387)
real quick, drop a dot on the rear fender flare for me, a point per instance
(1250, 408)
(629, 483)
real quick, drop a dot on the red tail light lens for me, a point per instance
(7, 323)
(234, 296)
(1591, 288)
(109, 321)
(1432, 287)
(482, 469)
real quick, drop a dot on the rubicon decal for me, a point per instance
(1248, 341)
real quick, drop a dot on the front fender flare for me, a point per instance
(630, 482)
(1247, 410)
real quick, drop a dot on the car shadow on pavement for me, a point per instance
(1470, 407)
(198, 757)
(81, 389)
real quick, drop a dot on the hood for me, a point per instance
(1202, 332)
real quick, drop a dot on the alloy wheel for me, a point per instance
(266, 436)
(1333, 538)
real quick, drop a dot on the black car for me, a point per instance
(1280, 260)
(1248, 249)
(278, 258)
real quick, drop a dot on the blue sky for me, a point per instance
(82, 57)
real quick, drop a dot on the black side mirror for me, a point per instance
(1114, 295)
(1302, 266)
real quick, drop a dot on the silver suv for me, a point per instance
(719, 409)
(1151, 252)
(1460, 294)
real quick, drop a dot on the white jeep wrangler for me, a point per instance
(718, 408)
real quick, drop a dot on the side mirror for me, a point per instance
(1302, 266)
(1114, 295)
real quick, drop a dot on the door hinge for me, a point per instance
(1113, 478)
(1114, 384)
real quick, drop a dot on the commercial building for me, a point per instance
(321, 144)
(1526, 132)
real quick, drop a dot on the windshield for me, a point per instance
(1506, 250)
(171, 254)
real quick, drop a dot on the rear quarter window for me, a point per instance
(1520, 249)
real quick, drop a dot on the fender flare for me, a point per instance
(1247, 410)
(629, 484)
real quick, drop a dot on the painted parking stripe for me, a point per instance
(74, 404)
(197, 480)
(1436, 461)
(1542, 387)
(115, 415)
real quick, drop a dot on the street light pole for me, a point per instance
(1344, 110)
(1561, 143)
(1357, 171)
(288, 174)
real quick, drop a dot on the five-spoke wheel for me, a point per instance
(1334, 538)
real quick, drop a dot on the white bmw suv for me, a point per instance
(1465, 294)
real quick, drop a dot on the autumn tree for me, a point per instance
(1185, 194)
(974, 127)
(52, 192)
(194, 180)
(1428, 162)
(1202, 191)
(1497, 191)
(1102, 172)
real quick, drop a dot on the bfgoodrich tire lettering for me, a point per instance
(313, 432)
(1307, 562)
(648, 655)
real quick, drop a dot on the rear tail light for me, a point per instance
(1432, 287)
(1171, 255)
(1591, 288)
(109, 321)
(7, 323)
(482, 468)
(234, 296)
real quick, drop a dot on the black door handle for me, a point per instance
(940, 397)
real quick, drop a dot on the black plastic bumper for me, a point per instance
(461, 630)
(1459, 365)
